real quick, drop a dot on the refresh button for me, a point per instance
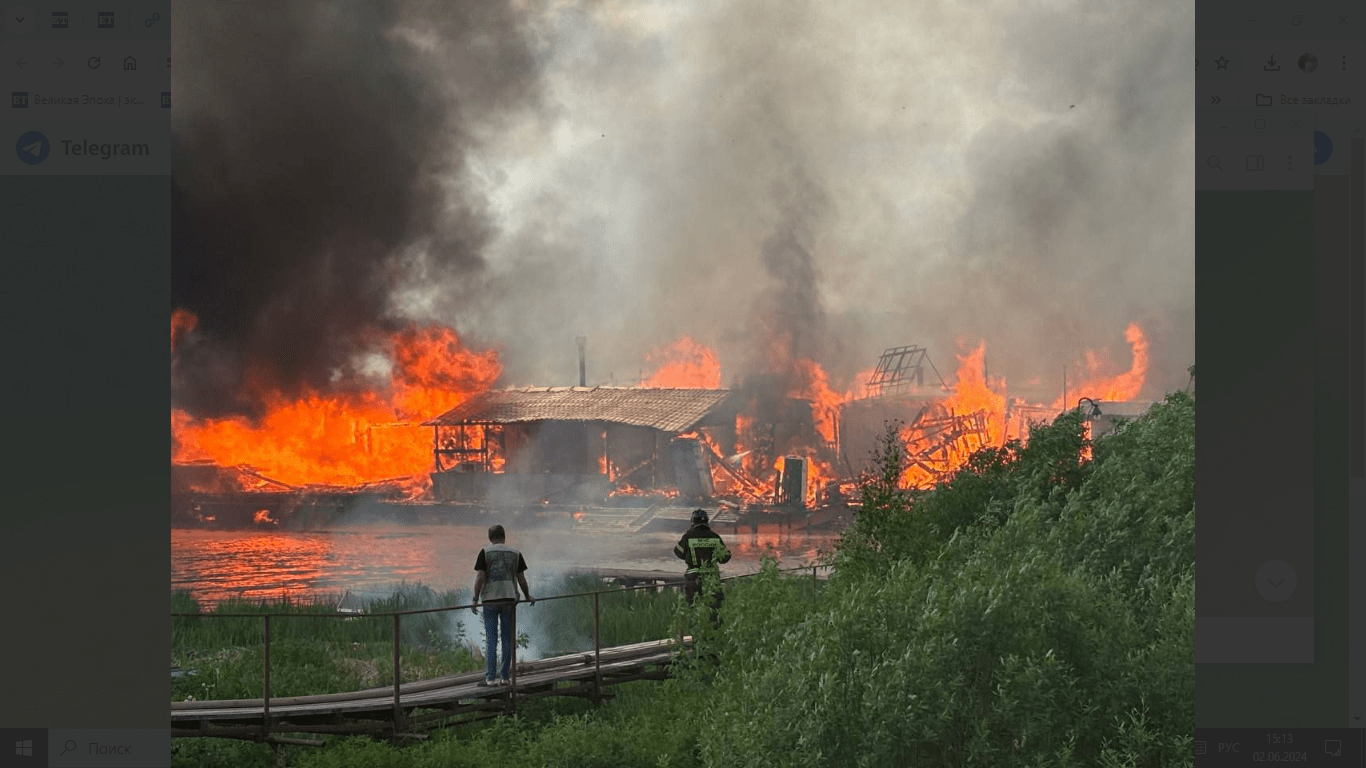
(93, 62)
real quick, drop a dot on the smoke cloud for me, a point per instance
(827, 180)
(319, 156)
(774, 179)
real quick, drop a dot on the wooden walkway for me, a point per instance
(405, 710)
(424, 704)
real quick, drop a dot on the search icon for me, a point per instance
(1213, 162)
(69, 746)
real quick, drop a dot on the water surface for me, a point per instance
(215, 565)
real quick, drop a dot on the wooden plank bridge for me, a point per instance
(404, 710)
(428, 703)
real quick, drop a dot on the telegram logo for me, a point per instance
(33, 147)
(1323, 147)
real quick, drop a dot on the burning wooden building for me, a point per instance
(576, 444)
(205, 494)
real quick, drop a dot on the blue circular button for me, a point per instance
(32, 147)
(1323, 147)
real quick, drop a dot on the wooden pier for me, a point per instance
(425, 704)
(405, 710)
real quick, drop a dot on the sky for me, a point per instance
(831, 178)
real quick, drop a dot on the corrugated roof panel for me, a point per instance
(668, 410)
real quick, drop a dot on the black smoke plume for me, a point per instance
(319, 160)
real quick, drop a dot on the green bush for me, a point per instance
(1036, 610)
(1053, 626)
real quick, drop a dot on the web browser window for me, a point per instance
(84, 267)
(1281, 275)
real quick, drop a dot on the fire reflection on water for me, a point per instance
(216, 566)
(770, 540)
(219, 565)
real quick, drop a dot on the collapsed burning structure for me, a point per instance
(777, 446)
(576, 444)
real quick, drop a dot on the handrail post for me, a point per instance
(597, 653)
(512, 657)
(813, 582)
(398, 707)
(265, 683)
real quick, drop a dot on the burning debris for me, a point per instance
(573, 444)
(207, 494)
(777, 440)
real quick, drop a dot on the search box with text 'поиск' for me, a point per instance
(108, 748)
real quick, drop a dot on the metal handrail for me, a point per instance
(397, 617)
(416, 611)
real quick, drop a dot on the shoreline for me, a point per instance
(216, 566)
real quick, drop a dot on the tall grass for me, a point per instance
(323, 652)
(625, 616)
(223, 656)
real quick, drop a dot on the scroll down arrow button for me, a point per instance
(1276, 581)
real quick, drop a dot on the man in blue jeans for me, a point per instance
(500, 568)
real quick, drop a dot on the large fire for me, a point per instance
(1124, 386)
(371, 434)
(356, 438)
(813, 385)
(974, 414)
(684, 364)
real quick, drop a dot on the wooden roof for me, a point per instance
(668, 410)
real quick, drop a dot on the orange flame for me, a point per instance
(813, 385)
(939, 454)
(347, 439)
(973, 393)
(1124, 386)
(685, 364)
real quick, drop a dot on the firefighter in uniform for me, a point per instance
(701, 547)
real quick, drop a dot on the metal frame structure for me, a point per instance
(453, 440)
(900, 369)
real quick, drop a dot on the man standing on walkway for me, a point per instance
(501, 568)
(701, 548)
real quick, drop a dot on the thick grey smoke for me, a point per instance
(772, 178)
(834, 178)
(320, 159)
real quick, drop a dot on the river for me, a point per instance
(215, 565)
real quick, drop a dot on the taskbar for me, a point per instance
(1334, 747)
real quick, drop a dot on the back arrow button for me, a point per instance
(21, 62)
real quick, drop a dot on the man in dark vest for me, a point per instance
(701, 548)
(501, 569)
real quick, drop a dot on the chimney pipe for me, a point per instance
(582, 341)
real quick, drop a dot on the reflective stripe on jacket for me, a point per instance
(700, 546)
